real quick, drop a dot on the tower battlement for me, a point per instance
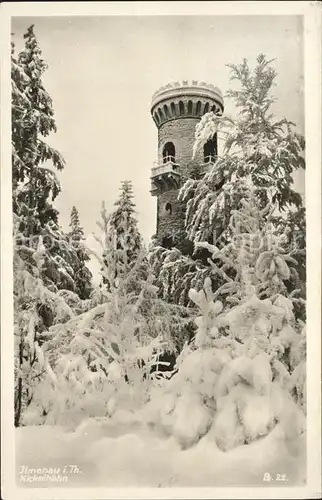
(185, 99)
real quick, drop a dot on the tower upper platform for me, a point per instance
(185, 99)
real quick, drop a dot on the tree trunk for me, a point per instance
(18, 398)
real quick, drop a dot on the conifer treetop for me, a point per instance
(75, 222)
(125, 200)
(122, 240)
(34, 67)
(123, 219)
(39, 121)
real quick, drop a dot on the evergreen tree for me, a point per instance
(35, 185)
(121, 229)
(82, 275)
(20, 104)
(33, 120)
(76, 229)
(256, 147)
(42, 257)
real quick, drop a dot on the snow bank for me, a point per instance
(121, 454)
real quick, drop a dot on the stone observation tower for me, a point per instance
(176, 109)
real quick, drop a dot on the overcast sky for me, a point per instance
(102, 74)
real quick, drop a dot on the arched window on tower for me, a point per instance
(189, 107)
(168, 208)
(210, 149)
(206, 110)
(181, 108)
(169, 152)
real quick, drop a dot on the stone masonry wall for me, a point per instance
(182, 133)
(169, 224)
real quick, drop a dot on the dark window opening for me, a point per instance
(166, 111)
(181, 108)
(198, 108)
(161, 115)
(206, 110)
(173, 109)
(168, 152)
(210, 149)
(168, 208)
(189, 107)
(167, 242)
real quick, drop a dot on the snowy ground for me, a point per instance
(129, 454)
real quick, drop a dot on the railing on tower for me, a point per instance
(165, 175)
(169, 166)
(169, 159)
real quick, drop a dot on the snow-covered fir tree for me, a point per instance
(255, 146)
(123, 227)
(116, 267)
(82, 274)
(122, 248)
(43, 257)
(20, 103)
(35, 183)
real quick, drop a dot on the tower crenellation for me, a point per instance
(185, 99)
(176, 108)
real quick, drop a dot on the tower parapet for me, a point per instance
(185, 99)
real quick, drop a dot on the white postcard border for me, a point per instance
(312, 15)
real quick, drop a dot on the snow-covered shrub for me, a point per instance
(107, 358)
(101, 360)
(234, 383)
(35, 308)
